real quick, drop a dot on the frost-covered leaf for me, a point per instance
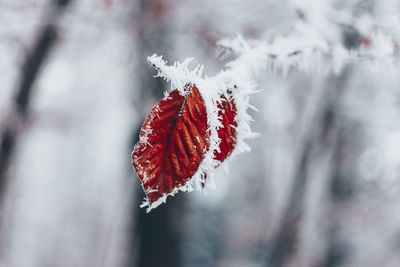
(173, 142)
(227, 133)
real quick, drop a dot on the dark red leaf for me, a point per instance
(227, 134)
(172, 143)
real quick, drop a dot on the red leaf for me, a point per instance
(172, 143)
(227, 134)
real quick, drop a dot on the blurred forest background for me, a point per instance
(319, 188)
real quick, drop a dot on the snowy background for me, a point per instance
(319, 188)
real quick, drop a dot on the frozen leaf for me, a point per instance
(227, 133)
(173, 142)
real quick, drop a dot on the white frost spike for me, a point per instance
(236, 45)
(178, 74)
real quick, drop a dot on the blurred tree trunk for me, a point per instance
(284, 245)
(340, 186)
(156, 236)
(28, 75)
(20, 108)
